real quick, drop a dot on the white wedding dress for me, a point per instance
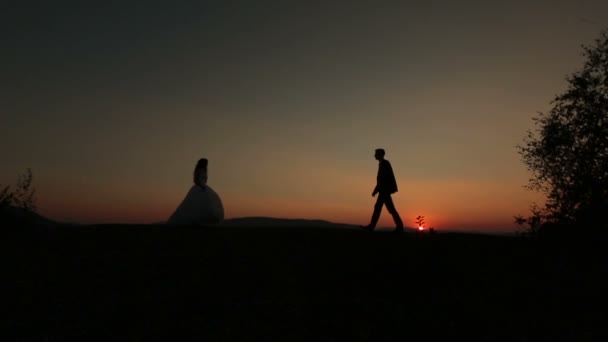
(202, 205)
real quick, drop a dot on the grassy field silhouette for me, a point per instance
(150, 282)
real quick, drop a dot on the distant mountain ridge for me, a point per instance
(14, 215)
(282, 222)
(257, 221)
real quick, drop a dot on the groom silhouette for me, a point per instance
(386, 184)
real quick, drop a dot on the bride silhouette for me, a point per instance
(201, 205)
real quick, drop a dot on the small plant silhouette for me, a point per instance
(420, 221)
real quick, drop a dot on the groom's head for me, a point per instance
(200, 172)
(379, 154)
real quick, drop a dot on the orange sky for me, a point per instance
(112, 108)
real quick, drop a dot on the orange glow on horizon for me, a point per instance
(335, 198)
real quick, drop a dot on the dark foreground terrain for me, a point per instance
(138, 283)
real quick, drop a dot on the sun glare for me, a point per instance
(420, 228)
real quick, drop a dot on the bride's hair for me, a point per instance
(202, 164)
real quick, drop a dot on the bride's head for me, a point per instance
(200, 172)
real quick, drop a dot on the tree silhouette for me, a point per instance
(568, 151)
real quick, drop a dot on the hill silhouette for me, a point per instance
(154, 282)
(281, 222)
(259, 221)
(12, 215)
(277, 222)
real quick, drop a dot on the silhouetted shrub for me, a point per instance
(533, 222)
(25, 194)
(6, 197)
(23, 197)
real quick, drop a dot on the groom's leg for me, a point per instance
(393, 211)
(377, 211)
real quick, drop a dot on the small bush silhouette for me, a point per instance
(6, 197)
(533, 222)
(23, 197)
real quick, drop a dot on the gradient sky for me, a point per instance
(111, 104)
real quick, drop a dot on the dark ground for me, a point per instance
(138, 283)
